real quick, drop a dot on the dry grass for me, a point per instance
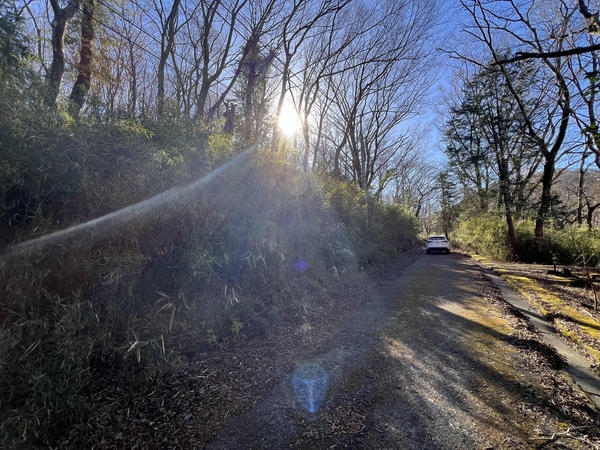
(91, 319)
(567, 301)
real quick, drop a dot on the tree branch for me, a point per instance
(540, 55)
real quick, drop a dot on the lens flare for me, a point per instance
(310, 383)
(301, 265)
(98, 228)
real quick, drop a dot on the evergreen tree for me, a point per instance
(13, 45)
(448, 200)
(488, 145)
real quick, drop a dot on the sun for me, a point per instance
(289, 122)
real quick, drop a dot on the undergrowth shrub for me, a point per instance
(391, 231)
(64, 173)
(36, 178)
(488, 235)
(92, 317)
(575, 245)
(378, 231)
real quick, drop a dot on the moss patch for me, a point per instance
(583, 329)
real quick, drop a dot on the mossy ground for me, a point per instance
(559, 299)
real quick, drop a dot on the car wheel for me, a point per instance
(427, 252)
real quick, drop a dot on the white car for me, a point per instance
(437, 243)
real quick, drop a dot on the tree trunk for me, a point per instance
(508, 205)
(580, 190)
(306, 139)
(590, 214)
(545, 199)
(84, 68)
(59, 28)
(512, 238)
(284, 83)
(133, 83)
(167, 43)
(337, 170)
(248, 104)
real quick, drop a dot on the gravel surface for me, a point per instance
(425, 354)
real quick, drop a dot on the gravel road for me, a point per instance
(427, 362)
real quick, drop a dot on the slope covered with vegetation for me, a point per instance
(135, 237)
(123, 298)
(101, 297)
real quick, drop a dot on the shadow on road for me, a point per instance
(427, 362)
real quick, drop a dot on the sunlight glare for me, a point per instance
(289, 121)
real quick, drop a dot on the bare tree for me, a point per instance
(169, 26)
(591, 26)
(216, 45)
(584, 71)
(586, 199)
(133, 62)
(217, 59)
(584, 77)
(322, 57)
(413, 187)
(380, 87)
(300, 22)
(255, 91)
(39, 33)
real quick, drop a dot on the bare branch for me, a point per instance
(520, 56)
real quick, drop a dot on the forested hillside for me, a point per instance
(146, 220)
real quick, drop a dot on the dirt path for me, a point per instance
(432, 360)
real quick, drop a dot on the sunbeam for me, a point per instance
(101, 227)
